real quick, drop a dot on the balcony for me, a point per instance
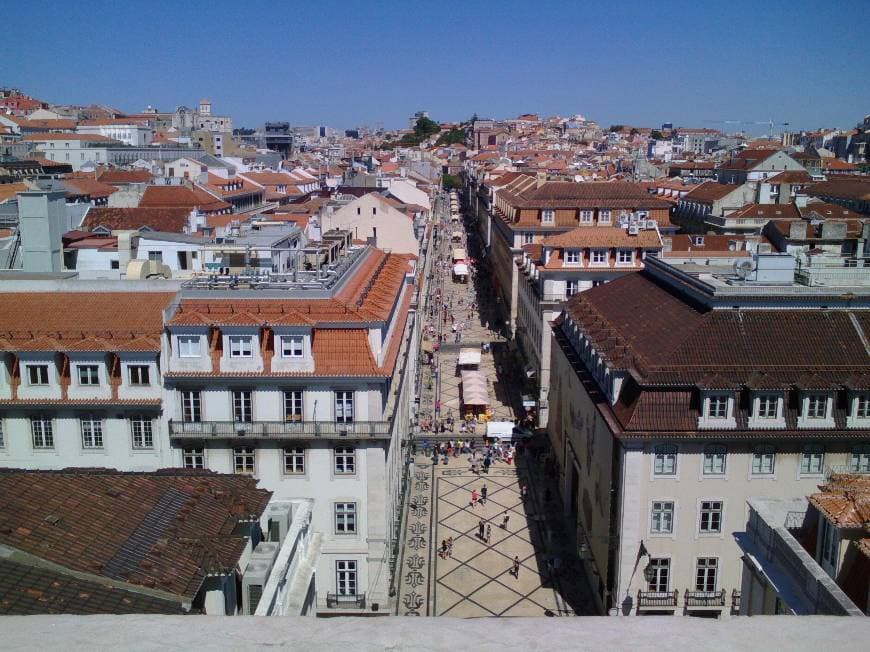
(735, 601)
(704, 598)
(199, 430)
(657, 599)
(338, 601)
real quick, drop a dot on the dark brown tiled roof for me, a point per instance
(769, 211)
(126, 176)
(31, 591)
(593, 194)
(856, 189)
(710, 191)
(163, 530)
(169, 220)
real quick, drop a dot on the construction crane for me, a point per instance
(770, 124)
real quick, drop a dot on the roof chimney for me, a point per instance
(797, 230)
(540, 179)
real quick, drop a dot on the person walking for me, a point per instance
(473, 498)
(525, 492)
(480, 529)
(504, 521)
(516, 568)
(443, 552)
(483, 492)
(450, 547)
(488, 531)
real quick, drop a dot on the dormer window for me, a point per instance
(817, 406)
(548, 216)
(717, 406)
(572, 256)
(88, 374)
(624, 256)
(599, 256)
(241, 346)
(585, 217)
(188, 346)
(604, 217)
(768, 406)
(292, 346)
(862, 406)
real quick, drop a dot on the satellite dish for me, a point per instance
(743, 268)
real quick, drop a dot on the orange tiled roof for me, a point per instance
(845, 500)
(604, 236)
(93, 138)
(10, 190)
(181, 197)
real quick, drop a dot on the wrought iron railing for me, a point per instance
(657, 599)
(352, 601)
(735, 600)
(278, 429)
(705, 598)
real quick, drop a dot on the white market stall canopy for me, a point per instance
(474, 388)
(469, 356)
(460, 269)
(456, 235)
(458, 254)
(500, 429)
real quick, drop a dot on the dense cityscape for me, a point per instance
(520, 365)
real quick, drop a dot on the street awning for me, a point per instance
(459, 254)
(427, 346)
(474, 388)
(460, 269)
(500, 429)
(469, 356)
(456, 235)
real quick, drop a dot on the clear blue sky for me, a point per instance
(346, 63)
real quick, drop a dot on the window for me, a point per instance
(705, 574)
(188, 346)
(817, 406)
(586, 217)
(155, 256)
(604, 217)
(345, 518)
(711, 516)
(665, 461)
(242, 407)
(139, 374)
(40, 428)
(599, 256)
(528, 237)
(190, 406)
(88, 374)
(240, 346)
(345, 577)
(572, 288)
(344, 407)
(714, 460)
(548, 217)
(293, 405)
(768, 406)
(572, 256)
(717, 407)
(243, 460)
(660, 576)
(193, 458)
(92, 431)
(812, 460)
(829, 543)
(624, 256)
(859, 461)
(345, 459)
(662, 521)
(862, 406)
(294, 460)
(763, 459)
(37, 374)
(141, 432)
(291, 346)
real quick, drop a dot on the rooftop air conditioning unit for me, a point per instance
(255, 578)
(279, 517)
(266, 551)
(743, 268)
(650, 224)
(633, 229)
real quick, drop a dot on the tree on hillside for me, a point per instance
(655, 134)
(614, 128)
(425, 128)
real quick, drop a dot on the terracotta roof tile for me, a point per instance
(169, 220)
(604, 236)
(181, 197)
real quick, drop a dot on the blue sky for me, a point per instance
(346, 63)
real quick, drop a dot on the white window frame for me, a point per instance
(294, 458)
(813, 403)
(345, 410)
(88, 375)
(344, 460)
(42, 432)
(528, 237)
(572, 288)
(548, 216)
(711, 514)
(605, 216)
(862, 406)
(759, 453)
(193, 458)
(585, 217)
(345, 521)
(346, 577)
(709, 466)
(91, 427)
(245, 460)
(191, 405)
(241, 346)
(294, 405)
(292, 346)
(661, 569)
(663, 451)
(705, 567)
(661, 518)
(139, 375)
(573, 256)
(189, 346)
(812, 461)
(718, 406)
(763, 406)
(40, 371)
(594, 254)
(141, 432)
(859, 459)
(243, 405)
(620, 254)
